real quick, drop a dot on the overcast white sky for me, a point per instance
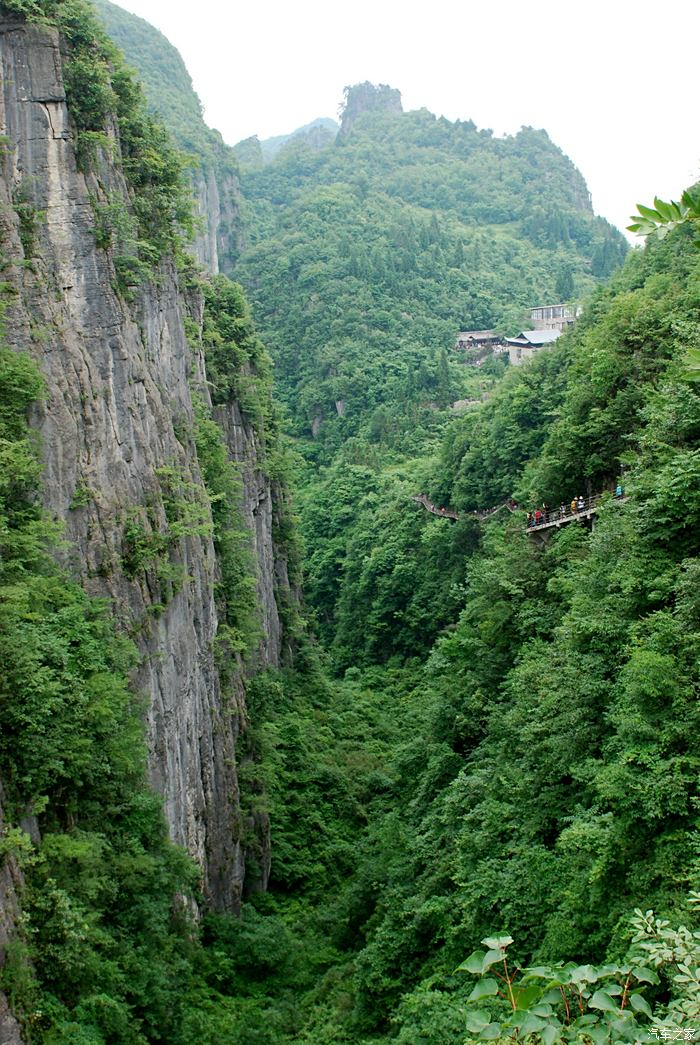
(614, 82)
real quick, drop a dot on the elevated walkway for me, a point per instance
(555, 519)
(450, 513)
(552, 520)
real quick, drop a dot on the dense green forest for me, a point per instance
(366, 256)
(485, 734)
(535, 770)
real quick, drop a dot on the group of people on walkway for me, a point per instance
(543, 515)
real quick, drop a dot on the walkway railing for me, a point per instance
(450, 513)
(445, 513)
(585, 508)
(559, 516)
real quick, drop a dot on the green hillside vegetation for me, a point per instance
(536, 772)
(323, 131)
(168, 89)
(366, 257)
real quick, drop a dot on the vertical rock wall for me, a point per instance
(118, 418)
(218, 243)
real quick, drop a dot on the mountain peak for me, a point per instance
(367, 97)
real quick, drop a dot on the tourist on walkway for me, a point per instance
(574, 505)
(580, 503)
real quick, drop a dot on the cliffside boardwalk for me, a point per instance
(552, 520)
(557, 517)
(450, 513)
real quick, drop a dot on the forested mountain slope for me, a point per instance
(537, 772)
(365, 257)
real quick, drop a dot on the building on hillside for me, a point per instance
(522, 348)
(554, 317)
(467, 339)
(476, 344)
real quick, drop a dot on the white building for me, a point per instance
(554, 317)
(522, 348)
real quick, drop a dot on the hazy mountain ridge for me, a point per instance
(365, 258)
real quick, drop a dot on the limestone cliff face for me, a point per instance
(260, 499)
(218, 243)
(116, 430)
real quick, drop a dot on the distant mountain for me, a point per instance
(322, 131)
(170, 93)
(365, 257)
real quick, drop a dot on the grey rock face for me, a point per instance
(258, 511)
(368, 97)
(10, 1033)
(218, 243)
(116, 430)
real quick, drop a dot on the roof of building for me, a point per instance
(534, 337)
(476, 335)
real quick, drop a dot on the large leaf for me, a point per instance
(531, 1024)
(477, 1020)
(648, 212)
(484, 989)
(551, 1033)
(602, 1000)
(543, 972)
(626, 1028)
(644, 975)
(490, 958)
(473, 963)
(542, 1009)
(668, 211)
(491, 1033)
(495, 943)
(598, 1035)
(584, 974)
(525, 996)
(640, 1004)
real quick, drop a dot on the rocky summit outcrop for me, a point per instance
(367, 97)
(116, 433)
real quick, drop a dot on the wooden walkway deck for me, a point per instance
(555, 519)
(552, 520)
(444, 513)
(450, 513)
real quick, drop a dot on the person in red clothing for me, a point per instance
(538, 517)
